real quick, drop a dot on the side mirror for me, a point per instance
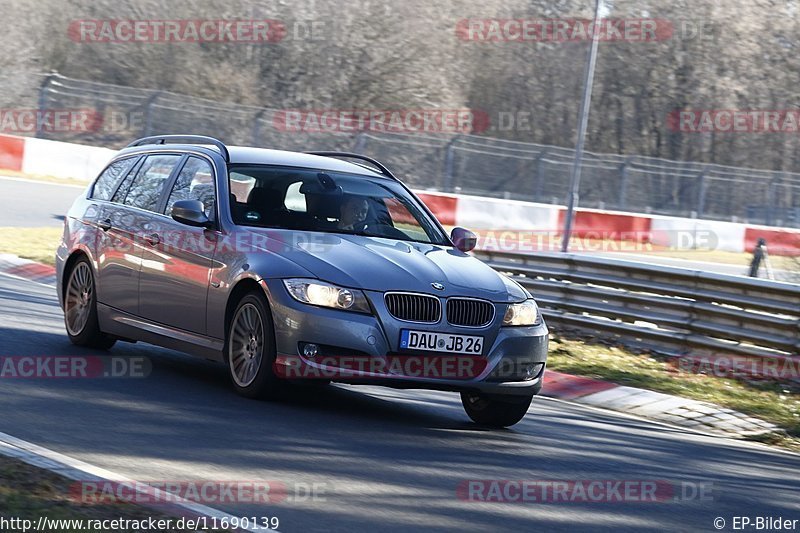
(191, 213)
(463, 239)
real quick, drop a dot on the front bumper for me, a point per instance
(364, 349)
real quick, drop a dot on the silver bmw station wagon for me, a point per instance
(291, 266)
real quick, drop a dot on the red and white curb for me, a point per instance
(27, 269)
(77, 470)
(691, 414)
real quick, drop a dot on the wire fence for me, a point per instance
(466, 163)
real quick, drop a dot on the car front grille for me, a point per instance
(414, 307)
(469, 312)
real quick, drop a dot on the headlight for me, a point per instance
(315, 292)
(522, 314)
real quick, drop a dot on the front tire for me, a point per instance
(250, 349)
(495, 410)
(80, 309)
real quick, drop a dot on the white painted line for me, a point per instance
(77, 470)
(42, 182)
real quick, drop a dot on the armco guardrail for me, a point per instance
(670, 310)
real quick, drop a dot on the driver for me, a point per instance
(353, 213)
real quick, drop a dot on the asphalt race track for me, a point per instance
(30, 203)
(385, 460)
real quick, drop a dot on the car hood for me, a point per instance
(379, 264)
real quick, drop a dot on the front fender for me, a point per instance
(232, 265)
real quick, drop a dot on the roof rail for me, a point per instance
(186, 139)
(383, 170)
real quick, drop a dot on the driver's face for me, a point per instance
(355, 210)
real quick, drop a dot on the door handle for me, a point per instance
(105, 225)
(153, 239)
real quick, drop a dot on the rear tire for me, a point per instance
(495, 410)
(250, 349)
(80, 309)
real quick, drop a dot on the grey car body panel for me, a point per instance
(179, 299)
(127, 326)
(354, 261)
(179, 269)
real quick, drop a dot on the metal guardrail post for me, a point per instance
(539, 187)
(148, 114)
(772, 200)
(42, 100)
(623, 183)
(701, 193)
(449, 165)
(361, 143)
(257, 127)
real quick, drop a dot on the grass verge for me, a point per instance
(775, 402)
(28, 492)
(743, 259)
(37, 244)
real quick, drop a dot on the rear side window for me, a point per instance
(241, 185)
(146, 188)
(195, 182)
(107, 183)
(122, 190)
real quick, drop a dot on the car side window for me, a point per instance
(123, 188)
(107, 182)
(195, 182)
(146, 188)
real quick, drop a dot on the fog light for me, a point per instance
(532, 370)
(310, 350)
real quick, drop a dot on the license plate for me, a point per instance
(440, 342)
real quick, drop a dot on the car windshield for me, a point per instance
(327, 201)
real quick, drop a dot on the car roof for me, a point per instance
(243, 155)
(265, 156)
